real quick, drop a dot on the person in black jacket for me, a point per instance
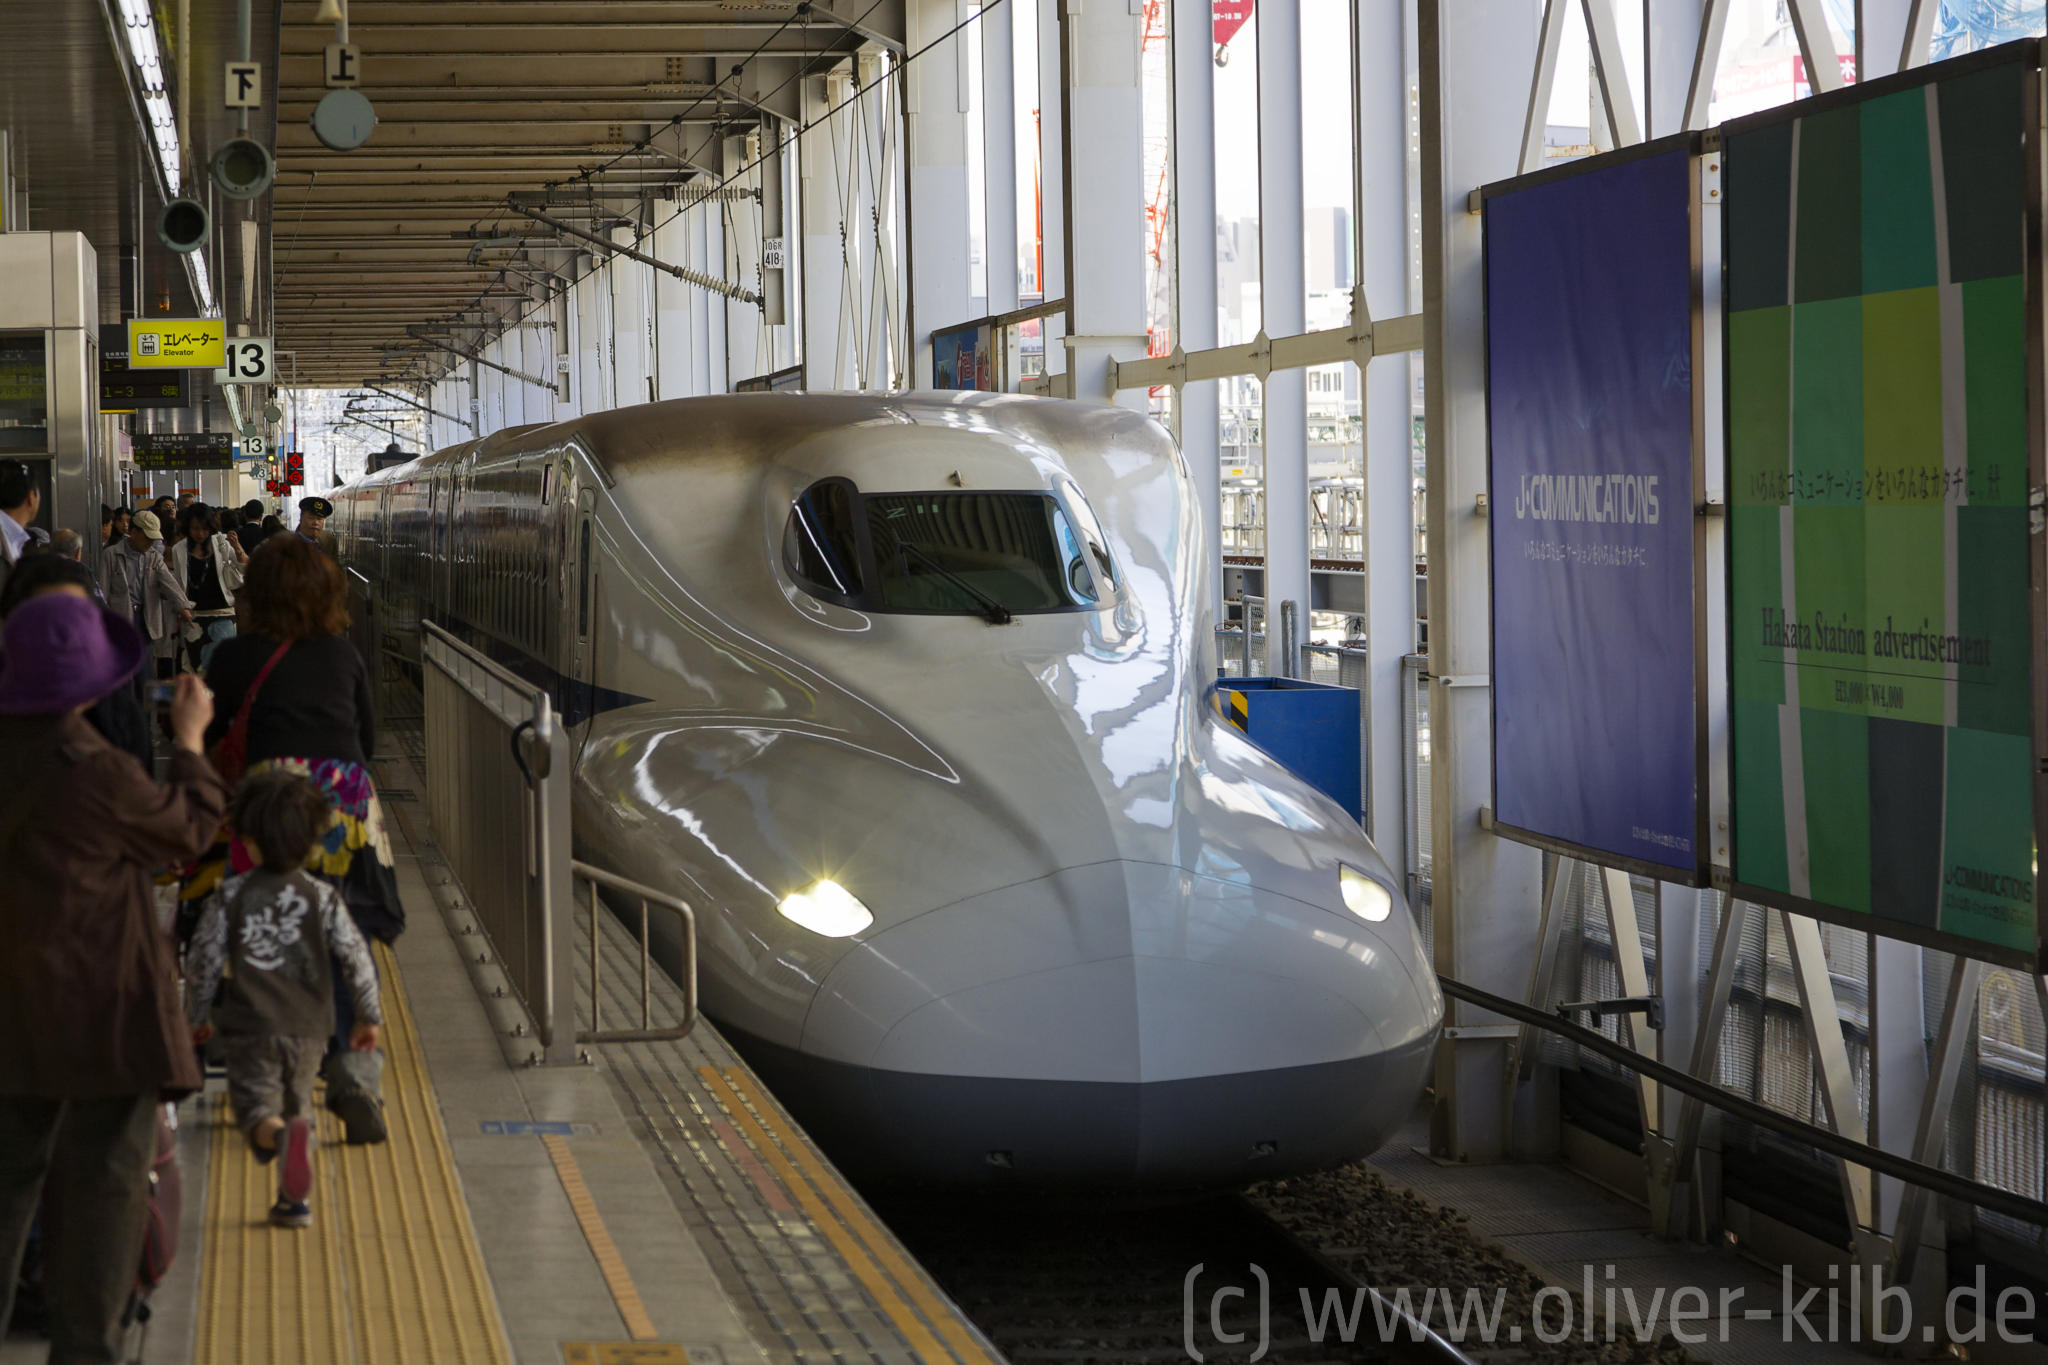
(252, 532)
(310, 711)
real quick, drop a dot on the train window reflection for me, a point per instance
(950, 552)
(820, 546)
(1091, 532)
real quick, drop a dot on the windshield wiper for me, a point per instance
(996, 612)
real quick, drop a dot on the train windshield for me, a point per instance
(950, 552)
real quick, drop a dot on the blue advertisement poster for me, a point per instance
(1590, 408)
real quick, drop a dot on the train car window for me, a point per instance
(947, 552)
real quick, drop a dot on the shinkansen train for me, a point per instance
(909, 697)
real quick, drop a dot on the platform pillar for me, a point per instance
(1382, 29)
(1283, 312)
(1100, 58)
(1196, 405)
(936, 126)
(1476, 57)
(828, 236)
(998, 120)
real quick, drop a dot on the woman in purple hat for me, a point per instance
(88, 986)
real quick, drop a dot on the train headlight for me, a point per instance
(829, 909)
(1363, 896)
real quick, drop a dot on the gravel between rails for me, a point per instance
(1067, 1283)
(1392, 1239)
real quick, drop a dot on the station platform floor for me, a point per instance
(1573, 1232)
(655, 1206)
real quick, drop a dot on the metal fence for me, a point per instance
(493, 745)
(498, 792)
(396, 699)
(492, 752)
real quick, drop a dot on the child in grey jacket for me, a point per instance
(269, 943)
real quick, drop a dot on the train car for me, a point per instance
(909, 697)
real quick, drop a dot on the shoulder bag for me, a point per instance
(231, 754)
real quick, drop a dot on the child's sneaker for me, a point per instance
(291, 1213)
(295, 1180)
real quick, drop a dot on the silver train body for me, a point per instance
(1108, 941)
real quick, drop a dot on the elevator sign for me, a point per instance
(177, 344)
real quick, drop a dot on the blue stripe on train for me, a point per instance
(577, 701)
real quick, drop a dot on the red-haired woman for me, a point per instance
(307, 693)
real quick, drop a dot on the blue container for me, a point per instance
(1312, 728)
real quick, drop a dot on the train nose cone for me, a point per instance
(1124, 1022)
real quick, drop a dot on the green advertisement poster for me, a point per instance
(1879, 637)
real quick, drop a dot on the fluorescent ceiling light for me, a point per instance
(140, 27)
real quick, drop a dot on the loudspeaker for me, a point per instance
(183, 225)
(243, 168)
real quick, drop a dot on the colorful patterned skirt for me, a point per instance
(354, 853)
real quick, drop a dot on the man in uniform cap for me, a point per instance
(313, 515)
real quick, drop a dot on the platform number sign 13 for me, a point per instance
(247, 361)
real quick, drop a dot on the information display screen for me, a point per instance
(128, 390)
(123, 389)
(24, 378)
(1881, 649)
(193, 450)
(1590, 324)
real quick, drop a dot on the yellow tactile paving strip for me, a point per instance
(390, 1271)
(617, 1279)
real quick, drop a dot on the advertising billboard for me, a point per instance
(1882, 670)
(1593, 431)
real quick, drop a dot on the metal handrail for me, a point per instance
(646, 895)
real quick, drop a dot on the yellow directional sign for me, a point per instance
(177, 344)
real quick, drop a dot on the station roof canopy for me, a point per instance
(592, 110)
(582, 109)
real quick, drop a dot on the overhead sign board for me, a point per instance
(176, 343)
(1598, 683)
(1227, 17)
(246, 360)
(244, 85)
(184, 450)
(1883, 657)
(343, 65)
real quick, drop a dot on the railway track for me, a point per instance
(1078, 1284)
